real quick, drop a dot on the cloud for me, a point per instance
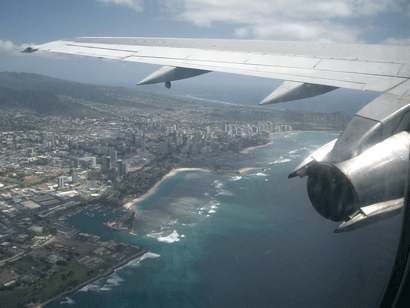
(319, 20)
(134, 4)
(397, 41)
(10, 48)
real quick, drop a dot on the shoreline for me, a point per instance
(129, 205)
(243, 170)
(152, 190)
(110, 271)
(246, 151)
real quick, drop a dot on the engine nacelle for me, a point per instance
(337, 190)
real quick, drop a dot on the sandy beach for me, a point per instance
(245, 151)
(243, 170)
(129, 205)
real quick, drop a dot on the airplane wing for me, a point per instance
(320, 67)
(357, 179)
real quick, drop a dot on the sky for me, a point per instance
(24, 23)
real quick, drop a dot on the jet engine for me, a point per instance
(337, 190)
(360, 178)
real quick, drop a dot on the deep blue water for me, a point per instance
(250, 241)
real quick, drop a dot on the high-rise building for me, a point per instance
(124, 169)
(105, 163)
(60, 182)
(112, 173)
(119, 167)
(74, 177)
(113, 155)
(215, 146)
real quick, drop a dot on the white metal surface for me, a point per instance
(355, 66)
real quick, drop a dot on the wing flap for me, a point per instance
(359, 67)
(167, 53)
(283, 61)
(220, 56)
(404, 71)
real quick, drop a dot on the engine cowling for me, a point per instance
(337, 190)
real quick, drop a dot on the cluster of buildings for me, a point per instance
(66, 161)
(53, 165)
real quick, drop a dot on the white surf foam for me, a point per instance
(173, 222)
(154, 234)
(211, 204)
(114, 280)
(280, 161)
(93, 287)
(223, 192)
(236, 178)
(173, 237)
(261, 174)
(148, 255)
(105, 289)
(68, 301)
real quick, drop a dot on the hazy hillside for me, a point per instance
(36, 82)
(44, 103)
(51, 96)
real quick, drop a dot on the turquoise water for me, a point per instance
(249, 241)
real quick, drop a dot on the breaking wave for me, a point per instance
(280, 161)
(261, 174)
(223, 192)
(236, 178)
(68, 301)
(148, 255)
(171, 238)
(219, 190)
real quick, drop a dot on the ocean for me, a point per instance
(242, 241)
